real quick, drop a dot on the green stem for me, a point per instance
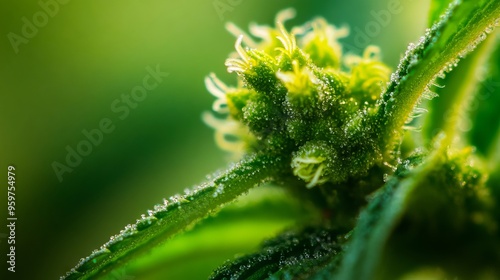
(449, 111)
(438, 50)
(178, 213)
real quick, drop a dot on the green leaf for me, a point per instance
(459, 92)
(436, 214)
(291, 255)
(237, 228)
(438, 8)
(375, 224)
(177, 213)
(464, 26)
(484, 108)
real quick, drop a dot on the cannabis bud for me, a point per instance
(299, 96)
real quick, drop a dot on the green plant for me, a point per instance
(377, 200)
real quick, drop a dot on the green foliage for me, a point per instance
(460, 30)
(433, 204)
(483, 107)
(177, 213)
(296, 255)
(237, 228)
(327, 128)
(449, 112)
(438, 8)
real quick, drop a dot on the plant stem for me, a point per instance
(451, 109)
(178, 213)
(427, 60)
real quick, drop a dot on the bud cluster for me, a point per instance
(299, 95)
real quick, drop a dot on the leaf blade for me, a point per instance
(425, 217)
(450, 112)
(372, 232)
(291, 255)
(454, 36)
(484, 134)
(237, 228)
(177, 214)
(438, 7)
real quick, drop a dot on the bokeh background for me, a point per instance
(64, 79)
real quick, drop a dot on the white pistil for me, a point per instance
(211, 82)
(285, 15)
(260, 31)
(241, 51)
(315, 180)
(288, 40)
(218, 89)
(236, 31)
(223, 129)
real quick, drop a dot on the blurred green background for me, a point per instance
(64, 79)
